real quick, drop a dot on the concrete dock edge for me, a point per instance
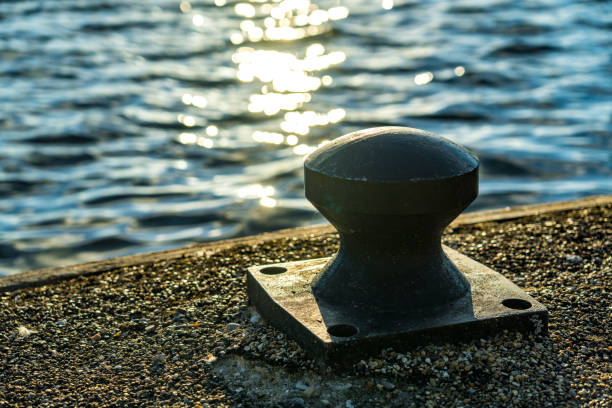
(46, 276)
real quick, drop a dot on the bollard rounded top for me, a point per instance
(390, 170)
(391, 154)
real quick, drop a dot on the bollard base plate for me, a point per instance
(282, 294)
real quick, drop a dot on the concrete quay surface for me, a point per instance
(174, 328)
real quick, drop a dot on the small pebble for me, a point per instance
(573, 258)
(388, 385)
(231, 327)
(295, 402)
(342, 387)
(159, 358)
(23, 331)
(309, 392)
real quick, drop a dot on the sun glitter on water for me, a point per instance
(288, 80)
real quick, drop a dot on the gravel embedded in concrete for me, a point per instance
(181, 334)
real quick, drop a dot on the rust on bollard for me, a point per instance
(390, 192)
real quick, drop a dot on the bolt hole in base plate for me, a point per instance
(342, 330)
(273, 270)
(516, 304)
(283, 296)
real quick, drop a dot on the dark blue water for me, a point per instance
(130, 126)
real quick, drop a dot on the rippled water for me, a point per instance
(134, 126)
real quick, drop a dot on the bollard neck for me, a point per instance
(404, 246)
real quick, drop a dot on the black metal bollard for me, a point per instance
(390, 192)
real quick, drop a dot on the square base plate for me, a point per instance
(282, 294)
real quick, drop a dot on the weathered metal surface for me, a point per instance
(282, 294)
(390, 192)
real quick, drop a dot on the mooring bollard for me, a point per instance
(390, 192)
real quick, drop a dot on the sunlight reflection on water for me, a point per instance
(287, 80)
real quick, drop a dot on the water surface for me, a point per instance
(135, 126)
